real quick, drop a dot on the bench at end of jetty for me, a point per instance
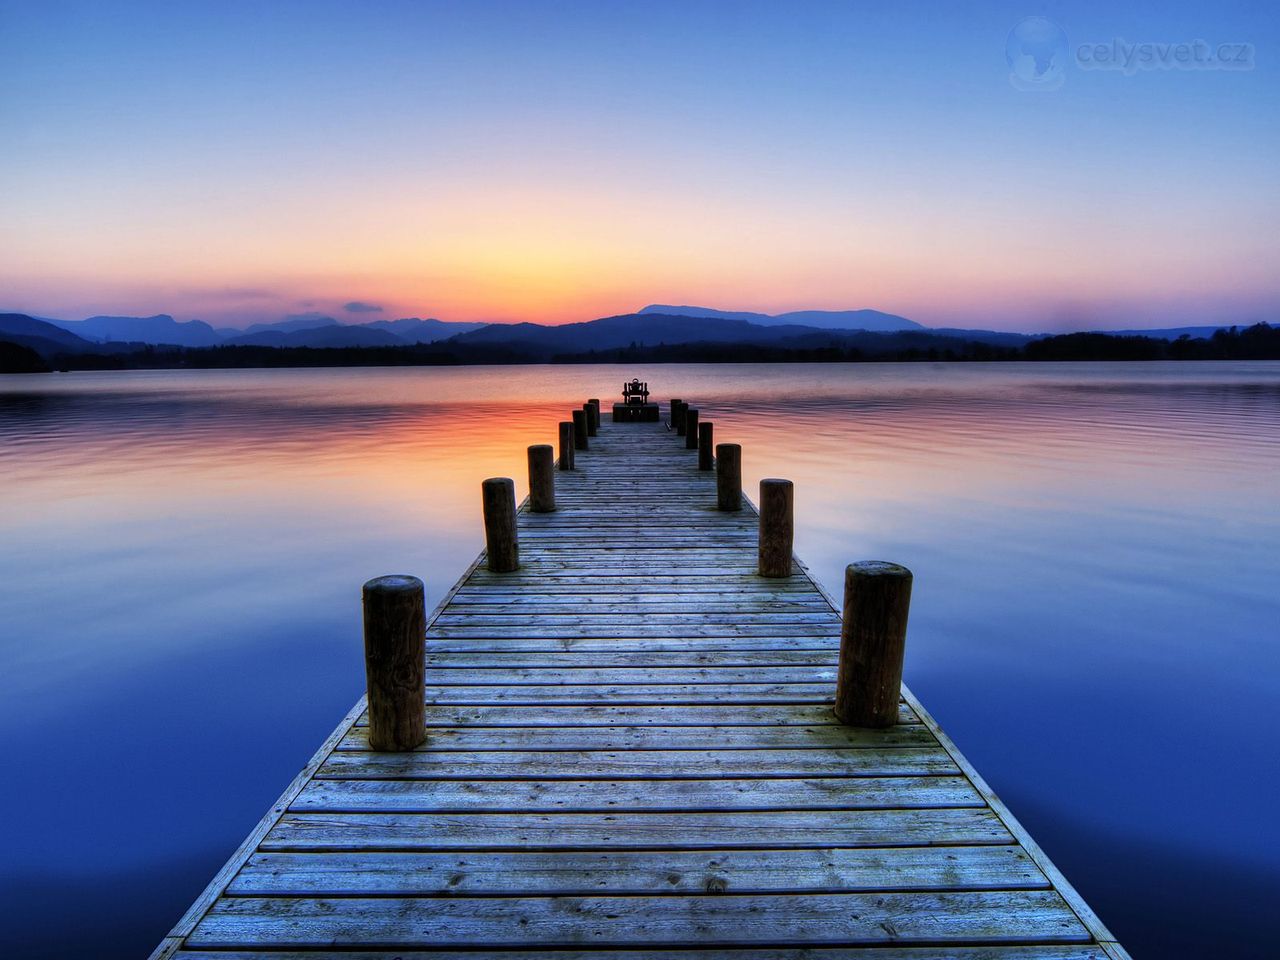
(635, 406)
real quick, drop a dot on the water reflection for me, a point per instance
(1095, 549)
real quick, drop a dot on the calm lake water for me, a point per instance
(1096, 618)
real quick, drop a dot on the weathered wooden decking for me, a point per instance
(633, 755)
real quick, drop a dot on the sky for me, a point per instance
(558, 161)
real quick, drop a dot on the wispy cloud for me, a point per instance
(357, 306)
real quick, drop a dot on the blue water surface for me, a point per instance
(1096, 616)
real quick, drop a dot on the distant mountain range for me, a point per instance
(45, 338)
(822, 319)
(655, 331)
(302, 330)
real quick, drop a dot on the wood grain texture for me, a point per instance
(395, 623)
(729, 476)
(777, 527)
(542, 478)
(877, 596)
(501, 538)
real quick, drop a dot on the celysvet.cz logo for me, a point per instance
(1040, 57)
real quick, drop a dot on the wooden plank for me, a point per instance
(637, 873)
(640, 676)
(561, 659)
(595, 694)
(540, 619)
(439, 645)
(991, 952)
(640, 764)
(701, 738)
(581, 796)
(689, 628)
(708, 920)
(684, 830)
(611, 715)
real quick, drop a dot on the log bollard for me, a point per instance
(681, 416)
(777, 527)
(729, 476)
(675, 411)
(566, 444)
(580, 429)
(542, 478)
(595, 414)
(877, 595)
(706, 450)
(691, 429)
(500, 524)
(590, 412)
(395, 633)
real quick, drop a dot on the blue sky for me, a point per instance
(557, 161)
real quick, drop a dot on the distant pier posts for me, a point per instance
(729, 476)
(542, 478)
(499, 494)
(594, 420)
(566, 444)
(777, 527)
(395, 632)
(678, 407)
(580, 429)
(691, 429)
(706, 449)
(590, 412)
(877, 596)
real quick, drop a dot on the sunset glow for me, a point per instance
(518, 162)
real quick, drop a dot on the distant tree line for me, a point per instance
(1259, 342)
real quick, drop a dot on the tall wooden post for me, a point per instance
(580, 429)
(706, 447)
(777, 527)
(691, 429)
(675, 412)
(590, 412)
(500, 524)
(595, 414)
(395, 633)
(729, 476)
(566, 444)
(873, 639)
(542, 478)
(681, 418)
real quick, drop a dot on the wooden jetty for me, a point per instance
(631, 752)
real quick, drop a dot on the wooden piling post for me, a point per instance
(877, 596)
(675, 411)
(729, 476)
(706, 449)
(595, 415)
(691, 429)
(679, 416)
(566, 444)
(500, 524)
(542, 478)
(777, 527)
(580, 429)
(590, 412)
(395, 632)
